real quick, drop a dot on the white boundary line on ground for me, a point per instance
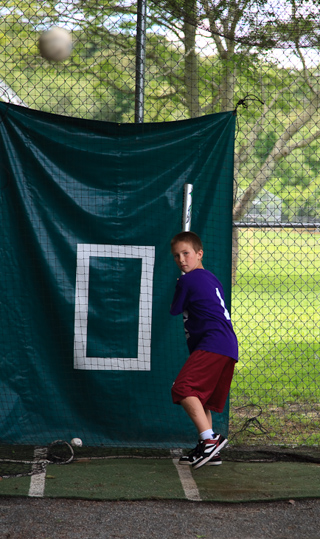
(38, 479)
(188, 483)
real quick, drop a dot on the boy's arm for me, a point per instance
(179, 299)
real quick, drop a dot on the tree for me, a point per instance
(239, 41)
(280, 117)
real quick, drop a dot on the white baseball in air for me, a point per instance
(55, 44)
(76, 442)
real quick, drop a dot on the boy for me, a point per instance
(204, 381)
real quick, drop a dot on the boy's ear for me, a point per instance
(201, 253)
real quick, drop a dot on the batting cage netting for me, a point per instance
(95, 152)
(88, 211)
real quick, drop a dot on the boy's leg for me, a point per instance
(197, 413)
(209, 416)
(200, 417)
(194, 411)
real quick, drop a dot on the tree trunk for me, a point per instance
(191, 70)
(228, 79)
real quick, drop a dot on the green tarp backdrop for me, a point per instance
(88, 208)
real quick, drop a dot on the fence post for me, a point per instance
(140, 60)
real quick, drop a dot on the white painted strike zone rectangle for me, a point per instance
(143, 361)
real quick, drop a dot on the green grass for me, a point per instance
(276, 315)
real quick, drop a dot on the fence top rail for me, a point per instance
(239, 224)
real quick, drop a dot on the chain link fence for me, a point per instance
(262, 59)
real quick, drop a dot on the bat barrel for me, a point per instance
(187, 206)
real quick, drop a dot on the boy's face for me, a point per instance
(186, 257)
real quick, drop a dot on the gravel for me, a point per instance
(35, 518)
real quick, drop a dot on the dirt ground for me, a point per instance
(23, 518)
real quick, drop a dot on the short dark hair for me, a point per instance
(188, 237)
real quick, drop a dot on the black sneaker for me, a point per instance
(191, 456)
(195, 453)
(207, 449)
(189, 459)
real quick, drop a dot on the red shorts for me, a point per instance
(207, 376)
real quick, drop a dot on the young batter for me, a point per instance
(204, 381)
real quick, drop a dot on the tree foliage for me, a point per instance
(278, 123)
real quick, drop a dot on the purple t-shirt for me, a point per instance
(200, 297)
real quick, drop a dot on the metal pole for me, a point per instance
(140, 60)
